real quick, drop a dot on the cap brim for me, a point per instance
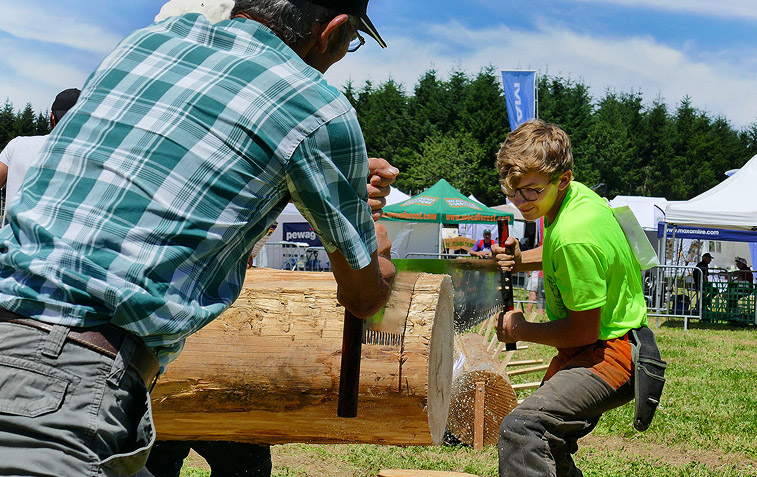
(367, 26)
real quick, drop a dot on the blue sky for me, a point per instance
(665, 48)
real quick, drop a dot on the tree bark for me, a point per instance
(267, 370)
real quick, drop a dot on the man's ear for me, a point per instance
(565, 179)
(325, 31)
(53, 122)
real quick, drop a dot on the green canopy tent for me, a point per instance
(443, 204)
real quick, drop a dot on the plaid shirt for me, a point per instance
(185, 145)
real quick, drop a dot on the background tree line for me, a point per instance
(453, 128)
(21, 123)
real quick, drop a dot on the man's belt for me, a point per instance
(104, 339)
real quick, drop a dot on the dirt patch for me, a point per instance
(297, 460)
(309, 462)
(673, 455)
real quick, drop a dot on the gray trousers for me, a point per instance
(540, 435)
(66, 410)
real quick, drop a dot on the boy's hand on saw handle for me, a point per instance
(509, 325)
(508, 257)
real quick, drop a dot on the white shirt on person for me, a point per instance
(20, 153)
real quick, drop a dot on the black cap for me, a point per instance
(65, 101)
(357, 8)
(706, 255)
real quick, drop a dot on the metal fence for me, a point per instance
(674, 291)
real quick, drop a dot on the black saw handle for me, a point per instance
(349, 374)
(506, 279)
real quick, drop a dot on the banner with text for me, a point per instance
(520, 96)
(301, 232)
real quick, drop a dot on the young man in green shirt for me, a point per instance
(593, 299)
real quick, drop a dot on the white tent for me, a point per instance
(732, 204)
(396, 196)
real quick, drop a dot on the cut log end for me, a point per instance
(441, 362)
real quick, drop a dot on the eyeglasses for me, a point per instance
(528, 194)
(357, 41)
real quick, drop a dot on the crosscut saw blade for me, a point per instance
(387, 327)
(477, 284)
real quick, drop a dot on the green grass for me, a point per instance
(706, 424)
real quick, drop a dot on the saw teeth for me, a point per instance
(380, 338)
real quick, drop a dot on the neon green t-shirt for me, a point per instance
(588, 264)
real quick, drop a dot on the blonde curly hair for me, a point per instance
(535, 146)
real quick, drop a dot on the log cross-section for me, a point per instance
(267, 370)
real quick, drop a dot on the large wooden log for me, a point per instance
(267, 370)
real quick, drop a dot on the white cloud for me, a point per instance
(719, 86)
(34, 76)
(742, 9)
(27, 20)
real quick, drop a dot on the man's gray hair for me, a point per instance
(291, 20)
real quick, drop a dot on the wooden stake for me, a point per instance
(489, 326)
(498, 350)
(478, 432)
(504, 363)
(532, 385)
(492, 342)
(524, 362)
(532, 369)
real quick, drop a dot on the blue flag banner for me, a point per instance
(520, 96)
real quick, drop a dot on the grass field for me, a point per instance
(706, 424)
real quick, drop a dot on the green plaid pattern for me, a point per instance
(185, 145)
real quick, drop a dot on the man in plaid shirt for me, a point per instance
(132, 230)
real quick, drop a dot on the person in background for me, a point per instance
(535, 287)
(701, 277)
(744, 273)
(23, 151)
(702, 271)
(740, 285)
(134, 227)
(594, 299)
(483, 248)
